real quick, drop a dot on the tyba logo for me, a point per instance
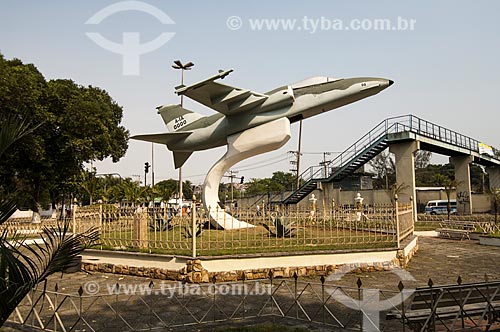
(131, 48)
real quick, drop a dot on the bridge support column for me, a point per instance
(462, 176)
(405, 171)
(494, 175)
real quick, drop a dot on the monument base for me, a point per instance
(264, 138)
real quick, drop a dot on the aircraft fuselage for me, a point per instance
(295, 103)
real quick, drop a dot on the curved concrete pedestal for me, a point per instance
(249, 143)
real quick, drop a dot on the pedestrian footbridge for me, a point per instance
(404, 135)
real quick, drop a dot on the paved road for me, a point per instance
(440, 259)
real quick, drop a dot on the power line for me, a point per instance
(258, 162)
(333, 152)
(263, 165)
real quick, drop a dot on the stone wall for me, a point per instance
(194, 272)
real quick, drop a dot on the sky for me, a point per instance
(442, 55)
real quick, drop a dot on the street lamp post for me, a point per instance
(178, 65)
(298, 154)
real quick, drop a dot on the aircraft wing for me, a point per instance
(164, 138)
(222, 98)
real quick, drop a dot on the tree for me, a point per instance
(23, 266)
(280, 181)
(21, 92)
(385, 169)
(422, 159)
(12, 129)
(424, 177)
(89, 184)
(78, 124)
(283, 180)
(397, 189)
(166, 189)
(494, 195)
(449, 185)
(133, 193)
(187, 189)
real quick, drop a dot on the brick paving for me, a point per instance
(442, 260)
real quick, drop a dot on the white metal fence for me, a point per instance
(271, 229)
(178, 306)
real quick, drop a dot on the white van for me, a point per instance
(441, 206)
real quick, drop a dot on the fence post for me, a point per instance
(396, 210)
(74, 216)
(193, 224)
(100, 217)
(432, 327)
(141, 234)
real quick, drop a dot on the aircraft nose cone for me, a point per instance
(391, 82)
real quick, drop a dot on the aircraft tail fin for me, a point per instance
(180, 157)
(177, 117)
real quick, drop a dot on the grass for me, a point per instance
(426, 225)
(247, 241)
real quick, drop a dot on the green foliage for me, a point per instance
(12, 129)
(283, 227)
(449, 184)
(188, 231)
(494, 195)
(77, 124)
(279, 182)
(168, 188)
(165, 189)
(385, 170)
(22, 265)
(397, 189)
(422, 159)
(425, 177)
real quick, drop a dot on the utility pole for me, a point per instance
(152, 164)
(324, 162)
(294, 168)
(178, 65)
(232, 176)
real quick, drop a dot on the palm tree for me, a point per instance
(397, 189)
(23, 266)
(165, 193)
(13, 128)
(449, 186)
(89, 183)
(134, 193)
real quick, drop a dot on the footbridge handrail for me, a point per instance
(393, 125)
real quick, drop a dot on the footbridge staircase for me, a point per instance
(432, 138)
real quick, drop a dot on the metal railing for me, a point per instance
(150, 306)
(270, 229)
(98, 305)
(394, 125)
